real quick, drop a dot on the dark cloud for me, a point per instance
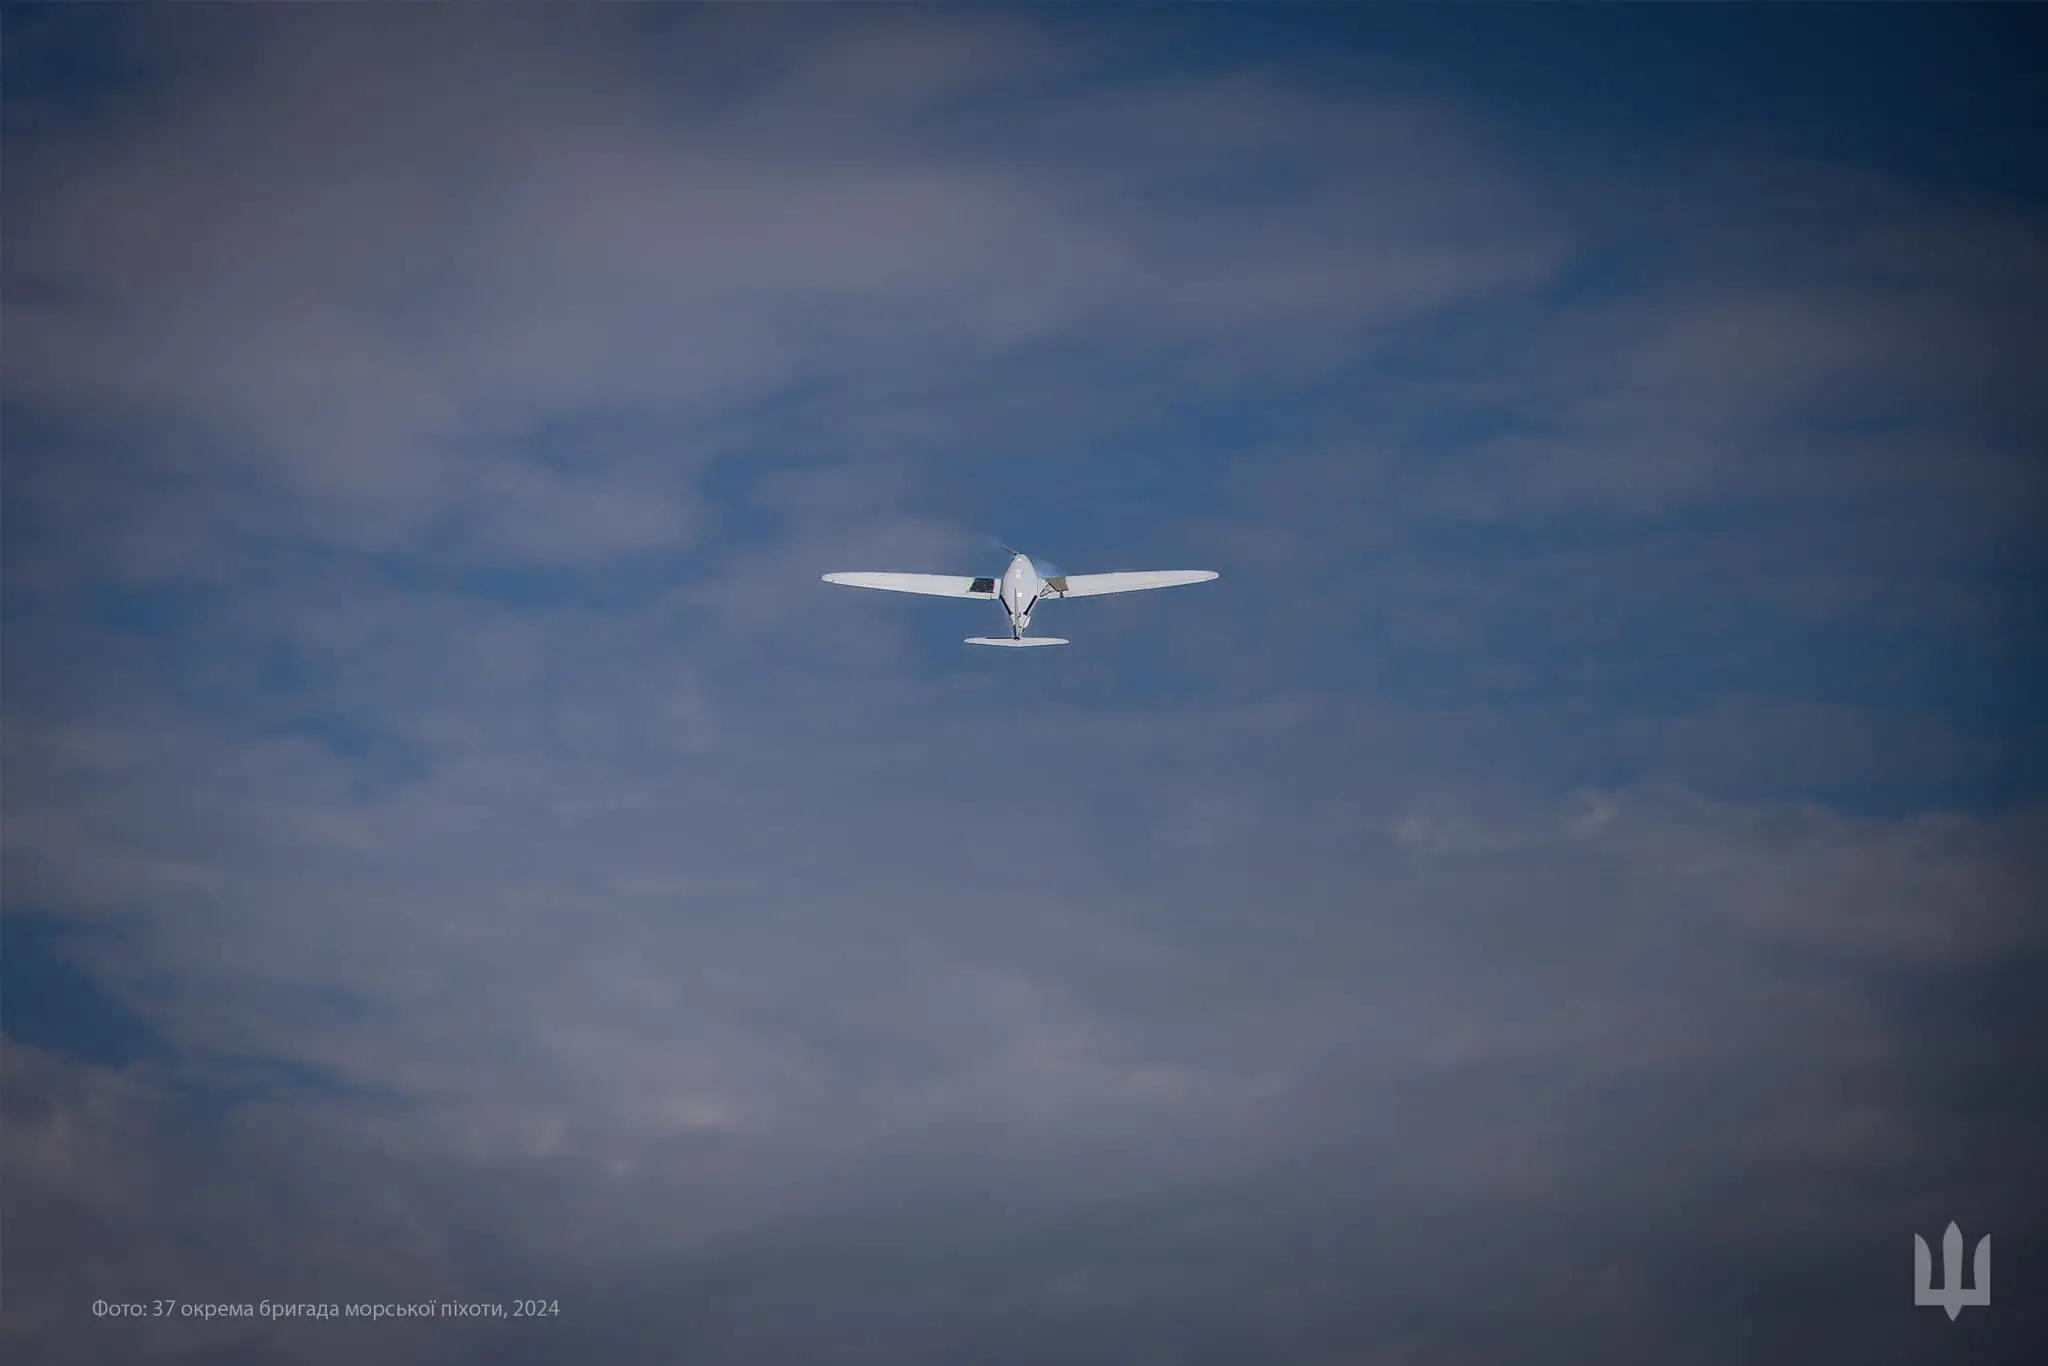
(1571, 889)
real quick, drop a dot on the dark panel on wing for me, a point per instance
(982, 586)
(1057, 585)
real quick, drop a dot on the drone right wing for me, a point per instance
(1131, 581)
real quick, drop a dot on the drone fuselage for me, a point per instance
(1019, 593)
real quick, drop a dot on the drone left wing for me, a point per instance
(1095, 585)
(931, 585)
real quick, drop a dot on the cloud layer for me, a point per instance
(1571, 888)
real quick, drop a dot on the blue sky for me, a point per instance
(1570, 888)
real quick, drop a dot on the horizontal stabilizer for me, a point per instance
(1013, 643)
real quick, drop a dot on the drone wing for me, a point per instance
(1095, 585)
(931, 585)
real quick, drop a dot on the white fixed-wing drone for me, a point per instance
(1021, 588)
